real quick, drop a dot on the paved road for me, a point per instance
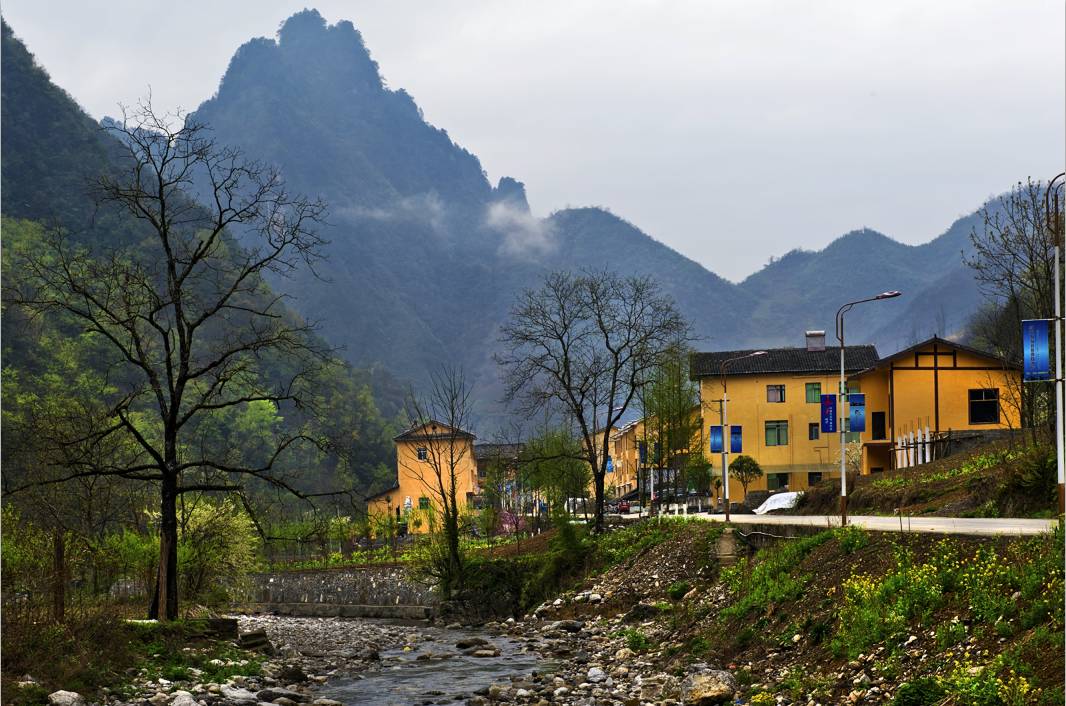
(933, 525)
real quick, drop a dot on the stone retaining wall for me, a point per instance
(364, 592)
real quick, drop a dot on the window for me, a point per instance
(776, 481)
(423, 453)
(777, 433)
(877, 426)
(814, 393)
(877, 469)
(814, 477)
(984, 406)
(775, 393)
(423, 503)
(814, 431)
(853, 386)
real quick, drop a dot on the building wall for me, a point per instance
(930, 389)
(417, 479)
(748, 407)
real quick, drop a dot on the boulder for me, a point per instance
(714, 686)
(596, 675)
(66, 698)
(291, 673)
(234, 693)
(566, 625)
(182, 698)
(468, 642)
(276, 692)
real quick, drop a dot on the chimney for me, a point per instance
(815, 341)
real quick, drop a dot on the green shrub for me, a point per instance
(851, 538)
(678, 590)
(636, 640)
(924, 691)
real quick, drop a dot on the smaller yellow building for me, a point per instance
(915, 397)
(429, 457)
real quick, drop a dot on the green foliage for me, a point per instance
(923, 691)
(636, 640)
(745, 469)
(982, 583)
(851, 538)
(219, 547)
(678, 589)
(770, 578)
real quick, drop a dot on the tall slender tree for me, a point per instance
(186, 314)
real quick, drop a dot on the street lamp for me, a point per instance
(725, 424)
(842, 395)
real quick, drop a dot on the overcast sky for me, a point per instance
(730, 130)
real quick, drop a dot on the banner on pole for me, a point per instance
(642, 450)
(1035, 350)
(716, 439)
(736, 444)
(829, 414)
(856, 412)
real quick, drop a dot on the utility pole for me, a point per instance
(1053, 216)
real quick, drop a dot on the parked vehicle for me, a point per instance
(623, 506)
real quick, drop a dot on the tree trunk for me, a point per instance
(59, 571)
(165, 602)
(598, 527)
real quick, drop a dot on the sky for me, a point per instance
(731, 130)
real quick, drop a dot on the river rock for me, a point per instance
(566, 625)
(182, 698)
(277, 692)
(596, 675)
(715, 686)
(290, 673)
(468, 642)
(238, 694)
(66, 698)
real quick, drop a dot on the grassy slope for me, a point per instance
(992, 481)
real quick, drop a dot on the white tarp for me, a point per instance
(780, 501)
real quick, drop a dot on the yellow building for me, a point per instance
(626, 446)
(427, 457)
(776, 400)
(930, 389)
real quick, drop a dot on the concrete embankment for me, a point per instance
(360, 592)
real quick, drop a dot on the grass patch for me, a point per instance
(770, 579)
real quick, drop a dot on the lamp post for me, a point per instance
(725, 424)
(842, 396)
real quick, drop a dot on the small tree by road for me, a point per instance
(745, 469)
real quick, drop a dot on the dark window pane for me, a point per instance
(984, 406)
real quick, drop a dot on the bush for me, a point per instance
(217, 549)
(678, 589)
(924, 691)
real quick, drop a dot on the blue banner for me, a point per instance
(716, 439)
(829, 414)
(643, 450)
(610, 465)
(856, 412)
(1035, 351)
(736, 445)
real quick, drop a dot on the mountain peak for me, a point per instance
(512, 192)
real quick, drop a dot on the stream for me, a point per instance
(435, 670)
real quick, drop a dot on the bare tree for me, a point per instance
(187, 314)
(1013, 261)
(446, 454)
(588, 342)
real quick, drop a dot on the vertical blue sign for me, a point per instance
(642, 449)
(736, 444)
(1035, 350)
(829, 414)
(716, 439)
(856, 412)
(610, 465)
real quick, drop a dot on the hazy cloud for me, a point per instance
(524, 235)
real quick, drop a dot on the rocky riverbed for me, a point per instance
(332, 661)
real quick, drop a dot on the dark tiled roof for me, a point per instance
(419, 433)
(491, 451)
(783, 360)
(388, 490)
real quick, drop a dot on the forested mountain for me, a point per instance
(426, 254)
(52, 155)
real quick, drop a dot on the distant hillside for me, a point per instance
(427, 255)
